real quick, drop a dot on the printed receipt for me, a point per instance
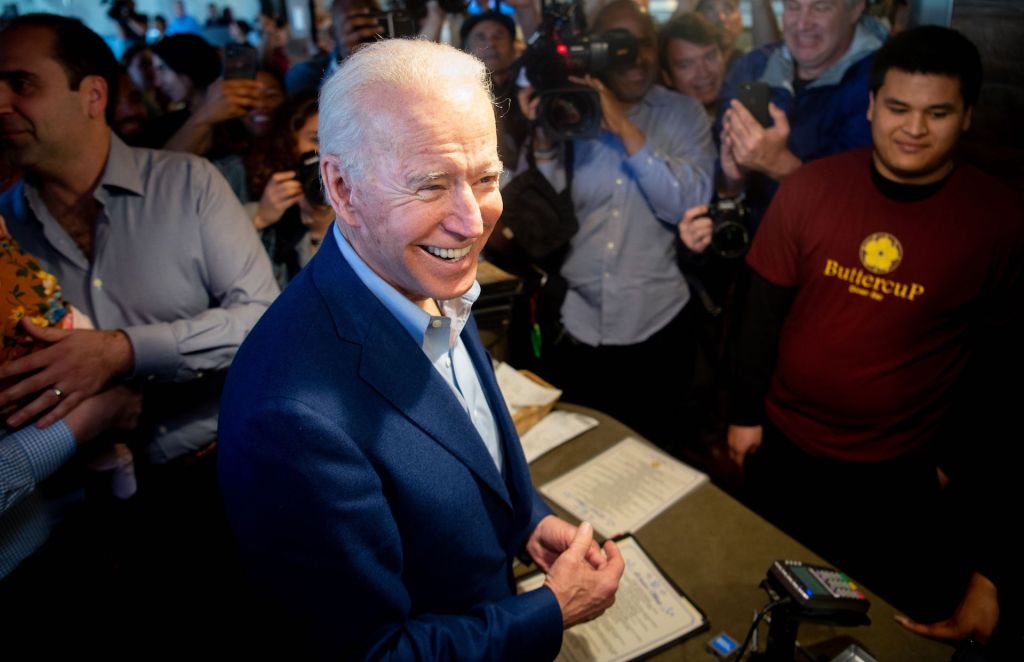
(554, 430)
(624, 487)
(648, 613)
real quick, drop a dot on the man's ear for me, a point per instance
(338, 189)
(95, 95)
(857, 10)
(968, 113)
(871, 105)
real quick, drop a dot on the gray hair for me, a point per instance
(351, 99)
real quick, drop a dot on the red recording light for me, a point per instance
(562, 49)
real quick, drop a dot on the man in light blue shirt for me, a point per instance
(183, 22)
(624, 314)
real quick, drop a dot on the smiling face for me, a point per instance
(259, 120)
(492, 43)
(695, 70)
(916, 120)
(41, 117)
(818, 32)
(631, 83)
(423, 210)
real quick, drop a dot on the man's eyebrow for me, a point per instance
(893, 101)
(428, 178)
(18, 73)
(494, 170)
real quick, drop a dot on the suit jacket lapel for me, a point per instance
(393, 365)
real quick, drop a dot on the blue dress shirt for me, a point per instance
(27, 457)
(624, 284)
(439, 337)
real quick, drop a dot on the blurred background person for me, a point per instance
(281, 190)
(182, 23)
(131, 116)
(188, 72)
(693, 59)
(157, 29)
(138, 64)
(273, 48)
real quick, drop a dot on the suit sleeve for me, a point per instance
(316, 527)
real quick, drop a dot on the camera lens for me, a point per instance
(729, 239)
(570, 113)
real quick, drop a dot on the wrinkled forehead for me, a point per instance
(385, 104)
(392, 118)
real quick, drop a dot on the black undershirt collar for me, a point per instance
(905, 192)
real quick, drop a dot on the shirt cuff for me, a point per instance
(644, 161)
(156, 351)
(47, 449)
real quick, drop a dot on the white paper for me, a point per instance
(521, 391)
(648, 613)
(624, 487)
(554, 430)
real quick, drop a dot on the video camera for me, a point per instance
(561, 48)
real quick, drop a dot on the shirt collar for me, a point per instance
(121, 171)
(413, 319)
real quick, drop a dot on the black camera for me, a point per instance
(729, 235)
(559, 49)
(401, 18)
(308, 174)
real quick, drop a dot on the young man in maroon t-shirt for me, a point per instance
(880, 278)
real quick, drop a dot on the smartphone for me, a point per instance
(240, 61)
(754, 96)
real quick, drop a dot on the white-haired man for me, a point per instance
(372, 475)
(818, 80)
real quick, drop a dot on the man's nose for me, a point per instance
(917, 124)
(803, 19)
(465, 218)
(5, 97)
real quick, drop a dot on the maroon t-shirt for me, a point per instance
(887, 292)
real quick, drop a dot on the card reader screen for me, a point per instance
(809, 580)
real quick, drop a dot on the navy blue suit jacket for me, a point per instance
(362, 496)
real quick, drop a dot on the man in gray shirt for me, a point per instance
(152, 246)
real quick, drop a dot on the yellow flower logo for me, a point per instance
(17, 313)
(881, 253)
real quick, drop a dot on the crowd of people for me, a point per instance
(852, 356)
